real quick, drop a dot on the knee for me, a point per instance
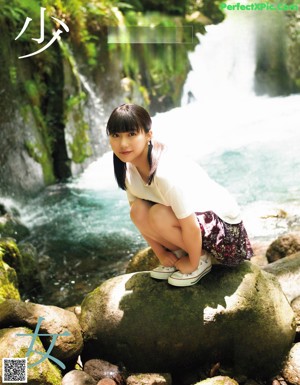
(139, 211)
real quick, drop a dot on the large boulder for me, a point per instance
(237, 316)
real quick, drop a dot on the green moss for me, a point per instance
(40, 155)
(8, 281)
(13, 74)
(23, 264)
(297, 82)
(44, 373)
(80, 145)
(74, 101)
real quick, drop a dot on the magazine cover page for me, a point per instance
(149, 192)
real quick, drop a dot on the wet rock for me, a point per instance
(8, 281)
(291, 369)
(218, 380)
(12, 345)
(100, 369)
(56, 321)
(151, 326)
(287, 271)
(11, 225)
(78, 377)
(283, 246)
(149, 379)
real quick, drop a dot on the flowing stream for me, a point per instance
(249, 144)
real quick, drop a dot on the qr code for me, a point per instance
(14, 370)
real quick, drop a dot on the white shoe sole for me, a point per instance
(188, 281)
(162, 275)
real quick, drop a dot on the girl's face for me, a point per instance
(131, 146)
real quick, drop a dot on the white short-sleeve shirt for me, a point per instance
(185, 187)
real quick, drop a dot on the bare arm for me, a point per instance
(192, 239)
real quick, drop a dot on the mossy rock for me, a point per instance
(143, 260)
(10, 226)
(8, 281)
(56, 321)
(14, 346)
(237, 316)
(23, 259)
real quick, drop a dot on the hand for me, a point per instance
(167, 258)
(184, 265)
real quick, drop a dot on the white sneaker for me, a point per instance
(162, 272)
(179, 279)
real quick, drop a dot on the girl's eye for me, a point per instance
(114, 135)
(133, 133)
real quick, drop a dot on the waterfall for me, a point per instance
(223, 63)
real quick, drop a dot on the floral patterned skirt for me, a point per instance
(228, 243)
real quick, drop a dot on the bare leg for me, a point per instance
(158, 223)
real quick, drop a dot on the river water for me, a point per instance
(248, 143)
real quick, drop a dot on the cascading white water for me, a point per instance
(223, 62)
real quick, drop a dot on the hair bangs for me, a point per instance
(122, 122)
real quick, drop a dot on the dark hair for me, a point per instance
(128, 118)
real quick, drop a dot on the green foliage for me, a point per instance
(211, 9)
(48, 85)
(171, 7)
(74, 101)
(87, 22)
(156, 71)
(15, 13)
